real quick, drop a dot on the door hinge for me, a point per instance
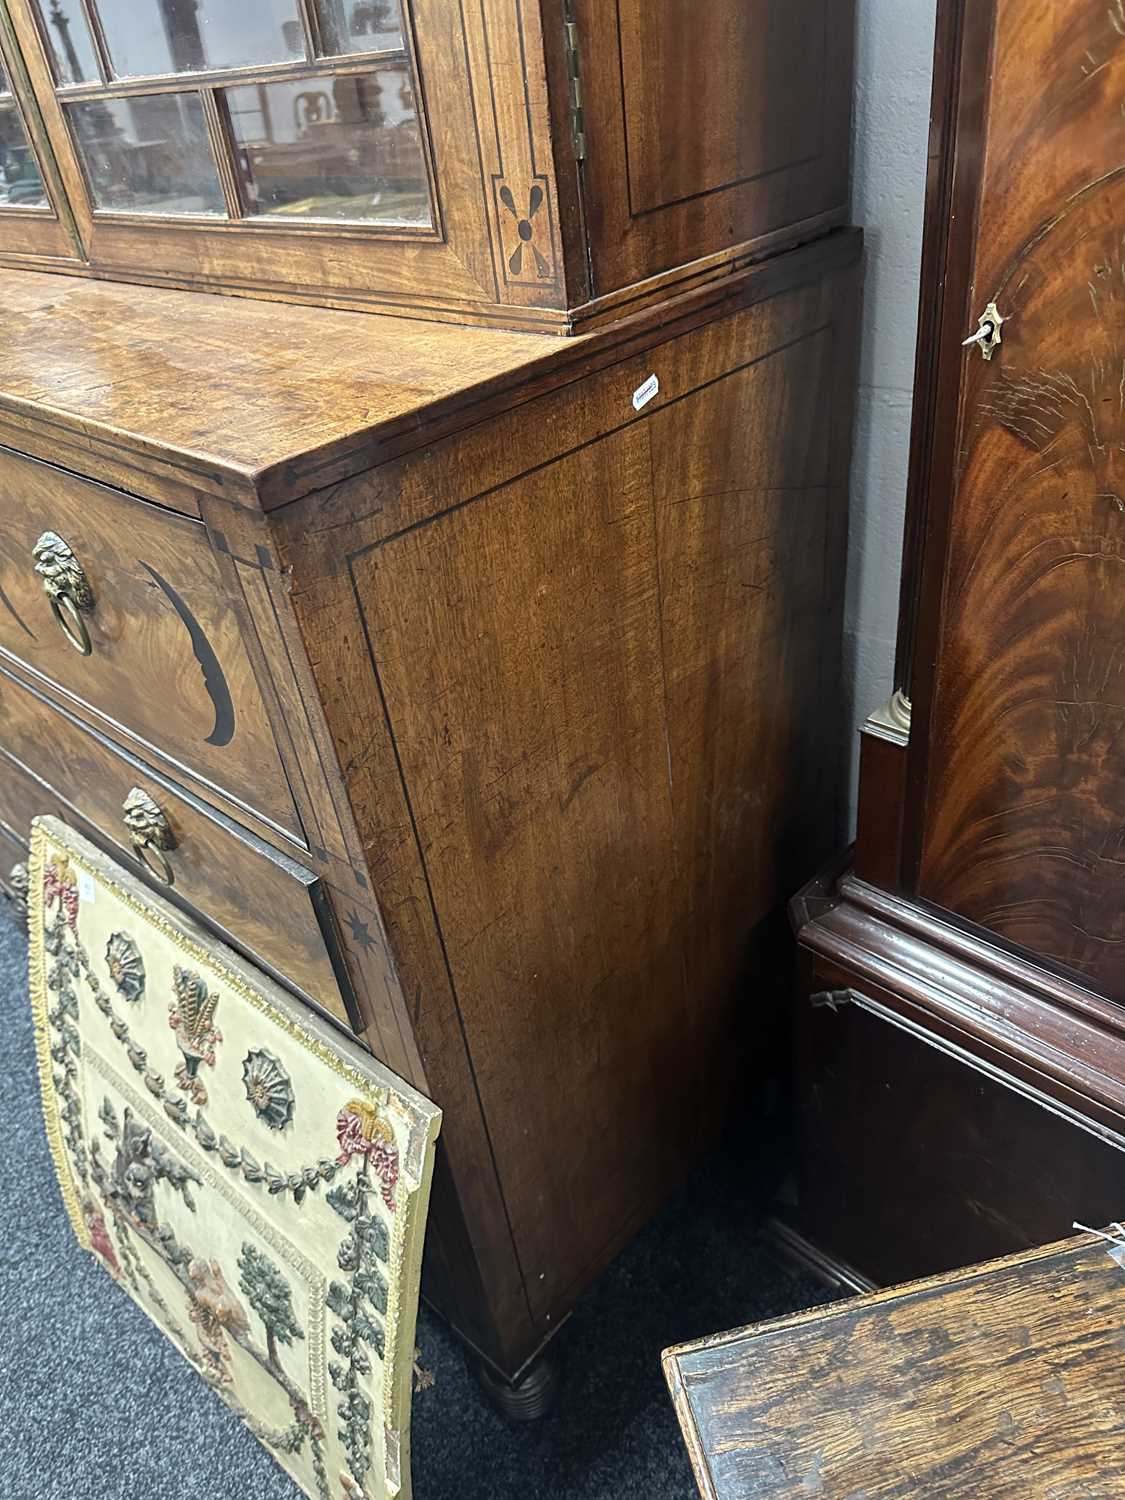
(574, 71)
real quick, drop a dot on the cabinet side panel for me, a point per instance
(518, 643)
(575, 663)
(710, 127)
(601, 681)
(473, 1275)
(741, 472)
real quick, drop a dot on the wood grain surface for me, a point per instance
(997, 1382)
(266, 904)
(242, 386)
(959, 985)
(1024, 816)
(956, 1099)
(171, 394)
(961, 1083)
(710, 134)
(710, 128)
(167, 657)
(554, 678)
(578, 663)
(914, 1159)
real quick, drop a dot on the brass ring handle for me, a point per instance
(154, 859)
(150, 834)
(71, 623)
(67, 588)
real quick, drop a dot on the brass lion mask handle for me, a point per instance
(150, 834)
(67, 588)
(18, 887)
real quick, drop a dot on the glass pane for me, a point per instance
(358, 26)
(68, 37)
(147, 37)
(344, 149)
(20, 183)
(149, 154)
(5, 86)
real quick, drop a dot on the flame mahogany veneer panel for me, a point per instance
(1025, 818)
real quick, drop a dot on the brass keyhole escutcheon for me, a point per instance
(987, 337)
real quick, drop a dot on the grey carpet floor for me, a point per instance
(94, 1404)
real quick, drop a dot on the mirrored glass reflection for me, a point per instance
(339, 149)
(147, 38)
(68, 40)
(148, 154)
(21, 186)
(348, 26)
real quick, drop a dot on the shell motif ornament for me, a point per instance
(191, 1015)
(268, 1088)
(126, 966)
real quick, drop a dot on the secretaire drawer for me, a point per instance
(85, 569)
(258, 899)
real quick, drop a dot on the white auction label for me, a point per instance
(87, 890)
(644, 393)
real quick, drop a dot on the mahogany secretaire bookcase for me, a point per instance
(422, 511)
(962, 1020)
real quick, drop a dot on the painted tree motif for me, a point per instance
(268, 1293)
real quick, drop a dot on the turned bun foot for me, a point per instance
(526, 1399)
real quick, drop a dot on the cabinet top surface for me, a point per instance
(264, 401)
(1001, 1379)
(242, 385)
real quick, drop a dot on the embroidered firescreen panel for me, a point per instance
(255, 1182)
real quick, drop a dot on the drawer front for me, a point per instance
(12, 854)
(166, 657)
(15, 790)
(18, 793)
(261, 901)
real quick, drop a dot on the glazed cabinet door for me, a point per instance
(1021, 732)
(350, 151)
(36, 227)
(718, 125)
